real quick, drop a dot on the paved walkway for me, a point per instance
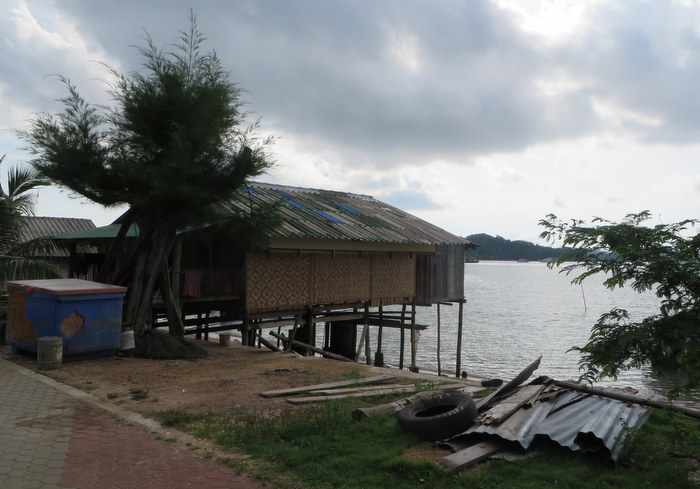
(51, 440)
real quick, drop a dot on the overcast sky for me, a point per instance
(480, 116)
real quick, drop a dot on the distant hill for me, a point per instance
(499, 248)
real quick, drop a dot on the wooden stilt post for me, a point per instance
(360, 344)
(326, 335)
(309, 333)
(199, 327)
(379, 355)
(438, 341)
(403, 334)
(176, 271)
(279, 332)
(413, 367)
(244, 332)
(292, 336)
(368, 348)
(460, 319)
(206, 326)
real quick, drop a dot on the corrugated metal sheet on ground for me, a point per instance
(574, 420)
(323, 214)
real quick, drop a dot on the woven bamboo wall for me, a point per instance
(341, 279)
(393, 278)
(288, 282)
(277, 282)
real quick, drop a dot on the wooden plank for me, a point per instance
(328, 385)
(413, 366)
(312, 348)
(393, 323)
(350, 390)
(487, 402)
(403, 335)
(379, 355)
(394, 406)
(266, 343)
(460, 322)
(621, 396)
(439, 364)
(282, 323)
(471, 455)
(339, 317)
(385, 392)
(365, 331)
(505, 408)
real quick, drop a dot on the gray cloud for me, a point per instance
(397, 82)
(387, 83)
(644, 58)
(411, 200)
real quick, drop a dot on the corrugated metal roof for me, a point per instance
(572, 419)
(315, 214)
(103, 232)
(34, 227)
(309, 213)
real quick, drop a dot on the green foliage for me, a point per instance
(499, 248)
(173, 141)
(664, 259)
(323, 448)
(16, 201)
(174, 147)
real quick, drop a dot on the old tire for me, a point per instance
(440, 416)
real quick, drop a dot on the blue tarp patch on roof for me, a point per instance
(292, 201)
(330, 217)
(348, 208)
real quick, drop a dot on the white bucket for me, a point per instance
(127, 340)
(49, 352)
(225, 339)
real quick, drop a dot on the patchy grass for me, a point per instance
(323, 448)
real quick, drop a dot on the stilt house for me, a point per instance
(336, 258)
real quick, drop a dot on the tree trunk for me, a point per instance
(175, 323)
(111, 267)
(147, 274)
(134, 290)
(176, 270)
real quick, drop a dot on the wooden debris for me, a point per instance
(505, 408)
(394, 406)
(312, 348)
(328, 385)
(471, 455)
(382, 392)
(267, 344)
(621, 396)
(488, 401)
(483, 382)
(350, 390)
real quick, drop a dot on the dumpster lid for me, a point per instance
(68, 286)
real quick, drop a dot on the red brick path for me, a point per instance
(108, 454)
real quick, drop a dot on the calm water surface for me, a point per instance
(517, 312)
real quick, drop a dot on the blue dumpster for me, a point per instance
(87, 315)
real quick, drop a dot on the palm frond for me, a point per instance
(36, 248)
(10, 223)
(22, 268)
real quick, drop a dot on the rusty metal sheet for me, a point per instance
(574, 420)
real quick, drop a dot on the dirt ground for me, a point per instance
(229, 378)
